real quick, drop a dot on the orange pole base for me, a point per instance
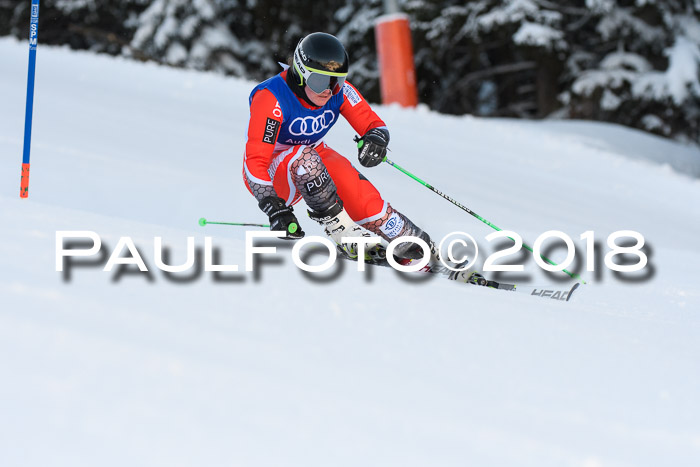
(24, 182)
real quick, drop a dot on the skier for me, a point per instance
(286, 159)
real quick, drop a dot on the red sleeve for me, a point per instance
(263, 128)
(357, 111)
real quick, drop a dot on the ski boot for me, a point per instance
(462, 274)
(474, 278)
(337, 224)
(435, 264)
(438, 264)
(477, 279)
(407, 253)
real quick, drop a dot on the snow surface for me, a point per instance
(105, 368)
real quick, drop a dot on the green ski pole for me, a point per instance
(469, 211)
(293, 227)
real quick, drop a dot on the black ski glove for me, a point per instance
(371, 148)
(281, 217)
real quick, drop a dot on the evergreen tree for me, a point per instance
(82, 24)
(487, 57)
(640, 66)
(355, 21)
(635, 62)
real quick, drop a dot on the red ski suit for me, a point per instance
(266, 161)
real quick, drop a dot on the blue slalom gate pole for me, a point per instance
(33, 36)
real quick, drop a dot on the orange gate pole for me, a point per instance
(395, 55)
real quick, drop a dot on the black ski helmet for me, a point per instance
(321, 62)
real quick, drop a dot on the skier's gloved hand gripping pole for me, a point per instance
(469, 211)
(281, 217)
(371, 148)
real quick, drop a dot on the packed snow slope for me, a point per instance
(276, 367)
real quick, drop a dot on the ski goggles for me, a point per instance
(319, 80)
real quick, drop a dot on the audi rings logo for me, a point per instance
(309, 126)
